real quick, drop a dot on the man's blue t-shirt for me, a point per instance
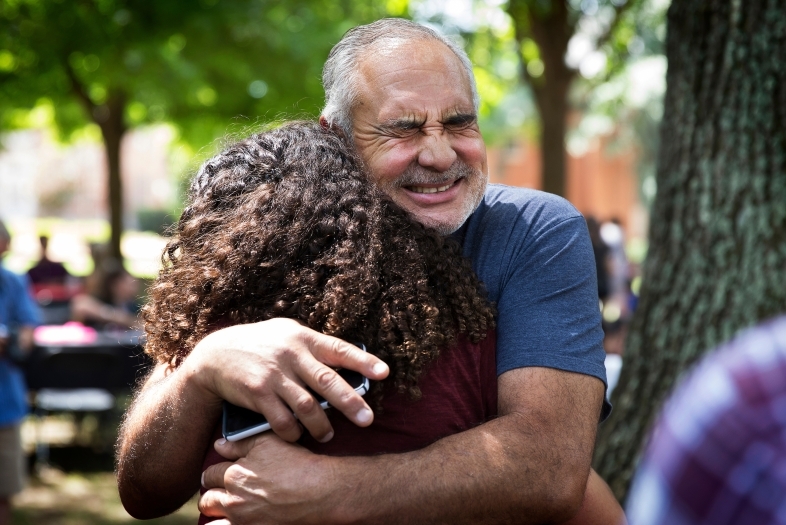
(533, 252)
(16, 309)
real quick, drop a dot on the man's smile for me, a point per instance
(430, 188)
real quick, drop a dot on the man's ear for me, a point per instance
(332, 127)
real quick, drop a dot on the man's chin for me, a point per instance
(443, 226)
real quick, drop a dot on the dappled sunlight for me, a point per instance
(54, 497)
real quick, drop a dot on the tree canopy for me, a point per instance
(196, 64)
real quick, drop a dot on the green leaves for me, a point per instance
(198, 65)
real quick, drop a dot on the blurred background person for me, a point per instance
(603, 265)
(617, 309)
(613, 237)
(46, 271)
(616, 306)
(717, 455)
(102, 263)
(601, 251)
(112, 300)
(53, 286)
(18, 317)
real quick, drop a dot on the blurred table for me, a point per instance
(84, 358)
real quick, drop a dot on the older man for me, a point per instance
(406, 98)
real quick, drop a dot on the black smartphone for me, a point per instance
(239, 423)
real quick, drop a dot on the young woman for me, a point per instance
(285, 224)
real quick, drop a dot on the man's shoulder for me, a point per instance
(518, 213)
(535, 206)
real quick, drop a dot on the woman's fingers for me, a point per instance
(308, 410)
(313, 368)
(336, 391)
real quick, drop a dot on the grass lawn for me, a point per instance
(54, 497)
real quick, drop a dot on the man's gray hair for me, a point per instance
(340, 74)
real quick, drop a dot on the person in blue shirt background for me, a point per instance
(18, 317)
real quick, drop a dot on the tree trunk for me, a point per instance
(717, 257)
(549, 26)
(553, 108)
(110, 120)
(552, 32)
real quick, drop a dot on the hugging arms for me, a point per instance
(353, 265)
(412, 119)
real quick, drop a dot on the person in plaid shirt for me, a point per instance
(718, 452)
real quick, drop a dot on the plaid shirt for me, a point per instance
(718, 452)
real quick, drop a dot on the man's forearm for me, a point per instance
(491, 474)
(528, 466)
(162, 444)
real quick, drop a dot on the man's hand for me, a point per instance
(530, 465)
(289, 484)
(266, 366)
(262, 366)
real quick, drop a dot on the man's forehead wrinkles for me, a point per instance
(392, 78)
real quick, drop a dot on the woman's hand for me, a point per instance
(266, 366)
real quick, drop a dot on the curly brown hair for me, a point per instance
(286, 224)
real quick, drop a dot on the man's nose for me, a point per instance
(436, 152)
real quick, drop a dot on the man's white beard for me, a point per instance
(416, 175)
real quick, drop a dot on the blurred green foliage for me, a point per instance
(196, 64)
(214, 68)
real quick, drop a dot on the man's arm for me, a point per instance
(169, 426)
(530, 465)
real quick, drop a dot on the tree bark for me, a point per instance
(717, 257)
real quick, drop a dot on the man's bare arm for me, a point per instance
(261, 366)
(530, 465)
